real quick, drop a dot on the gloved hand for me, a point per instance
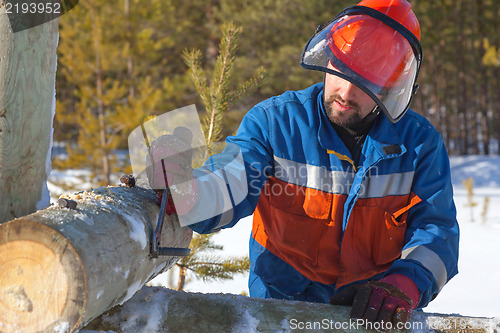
(389, 300)
(171, 156)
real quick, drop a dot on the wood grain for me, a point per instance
(27, 93)
(60, 267)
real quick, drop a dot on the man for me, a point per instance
(350, 193)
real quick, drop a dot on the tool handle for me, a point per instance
(174, 251)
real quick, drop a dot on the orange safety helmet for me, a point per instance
(376, 46)
(398, 10)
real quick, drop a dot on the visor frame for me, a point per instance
(398, 27)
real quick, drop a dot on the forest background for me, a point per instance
(121, 62)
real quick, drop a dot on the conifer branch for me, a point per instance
(217, 99)
(193, 60)
(249, 86)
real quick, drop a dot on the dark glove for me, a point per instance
(388, 300)
(170, 209)
(171, 156)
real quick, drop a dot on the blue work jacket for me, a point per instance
(321, 223)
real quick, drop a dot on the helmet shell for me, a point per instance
(374, 45)
(398, 10)
(386, 62)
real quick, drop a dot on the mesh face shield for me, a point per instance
(372, 51)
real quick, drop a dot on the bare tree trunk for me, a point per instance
(483, 81)
(462, 80)
(63, 267)
(211, 24)
(495, 99)
(157, 309)
(106, 169)
(447, 116)
(27, 104)
(182, 277)
(130, 59)
(478, 113)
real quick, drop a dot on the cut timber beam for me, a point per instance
(157, 309)
(27, 103)
(61, 267)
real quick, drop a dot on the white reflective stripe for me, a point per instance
(430, 260)
(209, 185)
(225, 218)
(312, 176)
(378, 186)
(340, 182)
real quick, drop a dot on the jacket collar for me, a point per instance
(383, 140)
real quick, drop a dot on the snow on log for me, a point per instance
(62, 267)
(27, 104)
(157, 309)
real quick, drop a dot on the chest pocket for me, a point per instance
(300, 217)
(299, 200)
(379, 229)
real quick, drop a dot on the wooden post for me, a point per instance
(27, 103)
(62, 267)
(158, 309)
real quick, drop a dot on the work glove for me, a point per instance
(171, 156)
(389, 300)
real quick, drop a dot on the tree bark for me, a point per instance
(61, 267)
(463, 99)
(106, 169)
(182, 277)
(158, 309)
(27, 103)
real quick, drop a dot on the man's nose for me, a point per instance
(348, 91)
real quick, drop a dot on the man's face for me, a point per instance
(345, 103)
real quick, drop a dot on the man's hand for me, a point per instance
(169, 164)
(388, 300)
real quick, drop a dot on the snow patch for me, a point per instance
(285, 325)
(61, 327)
(154, 321)
(159, 268)
(45, 196)
(85, 218)
(137, 232)
(131, 291)
(248, 324)
(137, 320)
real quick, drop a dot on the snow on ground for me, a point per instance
(475, 291)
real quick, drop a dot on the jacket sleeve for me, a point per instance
(430, 254)
(229, 183)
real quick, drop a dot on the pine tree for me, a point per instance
(217, 97)
(101, 55)
(208, 266)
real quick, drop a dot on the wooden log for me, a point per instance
(27, 103)
(157, 309)
(62, 267)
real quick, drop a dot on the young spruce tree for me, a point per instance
(217, 97)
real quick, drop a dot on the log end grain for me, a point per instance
(42, 280)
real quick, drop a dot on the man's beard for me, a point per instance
(338, 117)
